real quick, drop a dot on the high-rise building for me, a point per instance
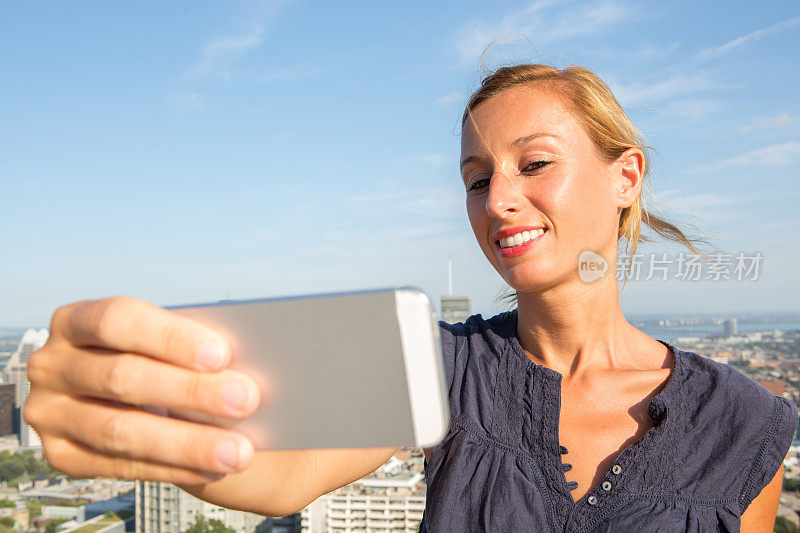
(314, 518)
(7, 408)
(456, 308)
(731, 327)
(392, 499)
(16, 372)
(28, 438)
(165, 508)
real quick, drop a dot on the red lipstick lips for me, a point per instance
(516, 251)
(508, 232)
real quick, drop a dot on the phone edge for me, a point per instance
(424, 373)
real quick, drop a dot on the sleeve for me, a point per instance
(448, 339)
(773, 449)
(455, 359)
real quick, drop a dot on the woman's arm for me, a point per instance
(759, 517)
(278, 483)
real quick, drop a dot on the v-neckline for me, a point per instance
(657, 410)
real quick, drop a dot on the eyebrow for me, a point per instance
(519, 142)
(528, 138)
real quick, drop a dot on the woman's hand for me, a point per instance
(107, 358)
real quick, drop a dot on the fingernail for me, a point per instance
(210, 355)
(231, 454)
(213, 476)
(235, 394)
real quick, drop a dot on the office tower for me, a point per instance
(454, 308)
(164, 508)
(7, 406)
(313, 519)
(392, 499)
(16, 372)
(731, 327)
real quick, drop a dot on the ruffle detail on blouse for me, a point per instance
(671, 516)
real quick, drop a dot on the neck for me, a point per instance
(575, 326)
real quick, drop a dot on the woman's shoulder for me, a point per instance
(734, 432)
(716, 393)
(474, 346)
(500, 324)
(706, 379)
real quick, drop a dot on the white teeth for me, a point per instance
(520, 238)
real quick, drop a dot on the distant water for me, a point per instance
(710, 330)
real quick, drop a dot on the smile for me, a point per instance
(519, 239)
(519, 243)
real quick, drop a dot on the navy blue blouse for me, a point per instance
(718, 439)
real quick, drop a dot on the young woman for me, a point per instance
(564, 417)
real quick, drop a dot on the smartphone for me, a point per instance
(356, 369)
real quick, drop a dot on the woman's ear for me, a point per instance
(628, 173)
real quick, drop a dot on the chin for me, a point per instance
(531, 278)
(533, 287)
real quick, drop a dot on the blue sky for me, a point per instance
(191, 151)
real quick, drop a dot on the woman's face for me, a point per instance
(528, 166)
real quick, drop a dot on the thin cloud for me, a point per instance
(777, 225)
(678, 84)
(186, 101)
(641, 53)
(543, 22)
(777, 155)
(676, 199)
(435, 160)
(717, 51)
(219, 55)
(450, 98)
(433, 202)
(294, 73)
(688, 80)
(765, 122)
(687, 111)
(702, 208)
(648, 52)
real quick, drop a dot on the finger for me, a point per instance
(138, 380)
(131, 325)
(134, 434)
(81, 462)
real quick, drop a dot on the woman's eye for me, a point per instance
(478, 184)
(535, 165)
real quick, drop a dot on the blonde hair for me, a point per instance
(612, 132)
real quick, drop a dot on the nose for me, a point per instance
(504, 197)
